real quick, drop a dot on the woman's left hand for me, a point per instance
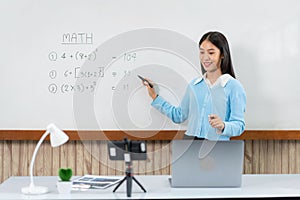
(216, 122)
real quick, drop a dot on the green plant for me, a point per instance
(65, 174)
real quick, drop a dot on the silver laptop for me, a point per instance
(203, 163)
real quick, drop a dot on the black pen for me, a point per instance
(144, 80)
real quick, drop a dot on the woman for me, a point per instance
(213, 104)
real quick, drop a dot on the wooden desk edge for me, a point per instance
(11, 135)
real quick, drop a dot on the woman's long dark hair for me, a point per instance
(220, 41)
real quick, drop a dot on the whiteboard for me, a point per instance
(74, 63)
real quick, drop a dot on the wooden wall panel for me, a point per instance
(297, 158)
(150, 160)
(16, 159)
(1, 161)
(55, 160)
(277, 157)
(7, 159)
(95, 148)
(48, 157)
(79, 159)
(91, 157)
(39, 160)
(285, 157)
(248, 157)
(270, 167)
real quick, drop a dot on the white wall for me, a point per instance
(157, 39)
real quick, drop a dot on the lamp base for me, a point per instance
(34, 190)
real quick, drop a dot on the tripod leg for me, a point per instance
(139, 184)
(119, 184)
(129, 185)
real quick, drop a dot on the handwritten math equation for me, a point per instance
(66, 66)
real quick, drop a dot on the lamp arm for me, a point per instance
(34, 155)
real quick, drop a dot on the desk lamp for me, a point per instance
(57, 138)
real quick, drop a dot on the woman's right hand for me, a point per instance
(151, 91)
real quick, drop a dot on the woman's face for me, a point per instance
(210, 56)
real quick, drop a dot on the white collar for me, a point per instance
(224, 78)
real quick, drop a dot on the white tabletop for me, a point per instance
(158, 187)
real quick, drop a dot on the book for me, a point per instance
(94, 182)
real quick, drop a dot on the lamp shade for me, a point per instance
(57, 136)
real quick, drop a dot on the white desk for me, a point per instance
(253, 186)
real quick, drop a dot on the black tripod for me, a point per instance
(129, 176)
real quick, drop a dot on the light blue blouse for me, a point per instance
(226, 98)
